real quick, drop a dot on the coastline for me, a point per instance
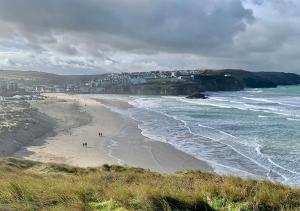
(129, 144)
(122, 141)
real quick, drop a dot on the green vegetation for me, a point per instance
(28, 185)
(25, 75)
(43, 78)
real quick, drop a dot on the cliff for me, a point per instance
(221, 80)
(177, 88)
(262, 79)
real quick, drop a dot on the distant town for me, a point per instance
(120, 79)
(98, 85)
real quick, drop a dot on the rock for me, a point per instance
(196, 95)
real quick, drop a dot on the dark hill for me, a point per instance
(263, 79)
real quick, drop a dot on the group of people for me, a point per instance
(84, 144)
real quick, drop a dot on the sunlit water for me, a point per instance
(252, 133)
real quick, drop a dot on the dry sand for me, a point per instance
(122, 142)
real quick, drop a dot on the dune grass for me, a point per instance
(28, 185)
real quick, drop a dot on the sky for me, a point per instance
(100, 36)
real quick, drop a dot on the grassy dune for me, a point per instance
(28, 185)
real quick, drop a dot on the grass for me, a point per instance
(28, 185)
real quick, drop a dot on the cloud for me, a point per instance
(168, 25)
(94, 36)
(272, 42)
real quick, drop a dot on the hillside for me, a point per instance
(30, 77)
(28, 185)
(43, 78)
(35, 77)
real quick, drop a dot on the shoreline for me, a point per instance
(165, 157)
(122, 142)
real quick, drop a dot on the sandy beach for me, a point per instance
(80, 119)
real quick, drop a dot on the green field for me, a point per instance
(27, 185)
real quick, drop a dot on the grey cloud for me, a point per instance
(93, 36)
(272, 42)
(169, 25)
(259, 2)
(67, 49)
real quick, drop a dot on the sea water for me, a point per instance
(252, 133)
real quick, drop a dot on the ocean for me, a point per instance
(252, 133)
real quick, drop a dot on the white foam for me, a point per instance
(165, 107)
(146, 103)
(233, 104)
(279, 166)
(149, 135)
(258, 99)
(270, 101)
(292, 119)
(111, 146)
(221, 140)
(262, 116)
(204, 102)
(253, 91)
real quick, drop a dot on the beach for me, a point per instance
(160, 133)
(80, 119)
